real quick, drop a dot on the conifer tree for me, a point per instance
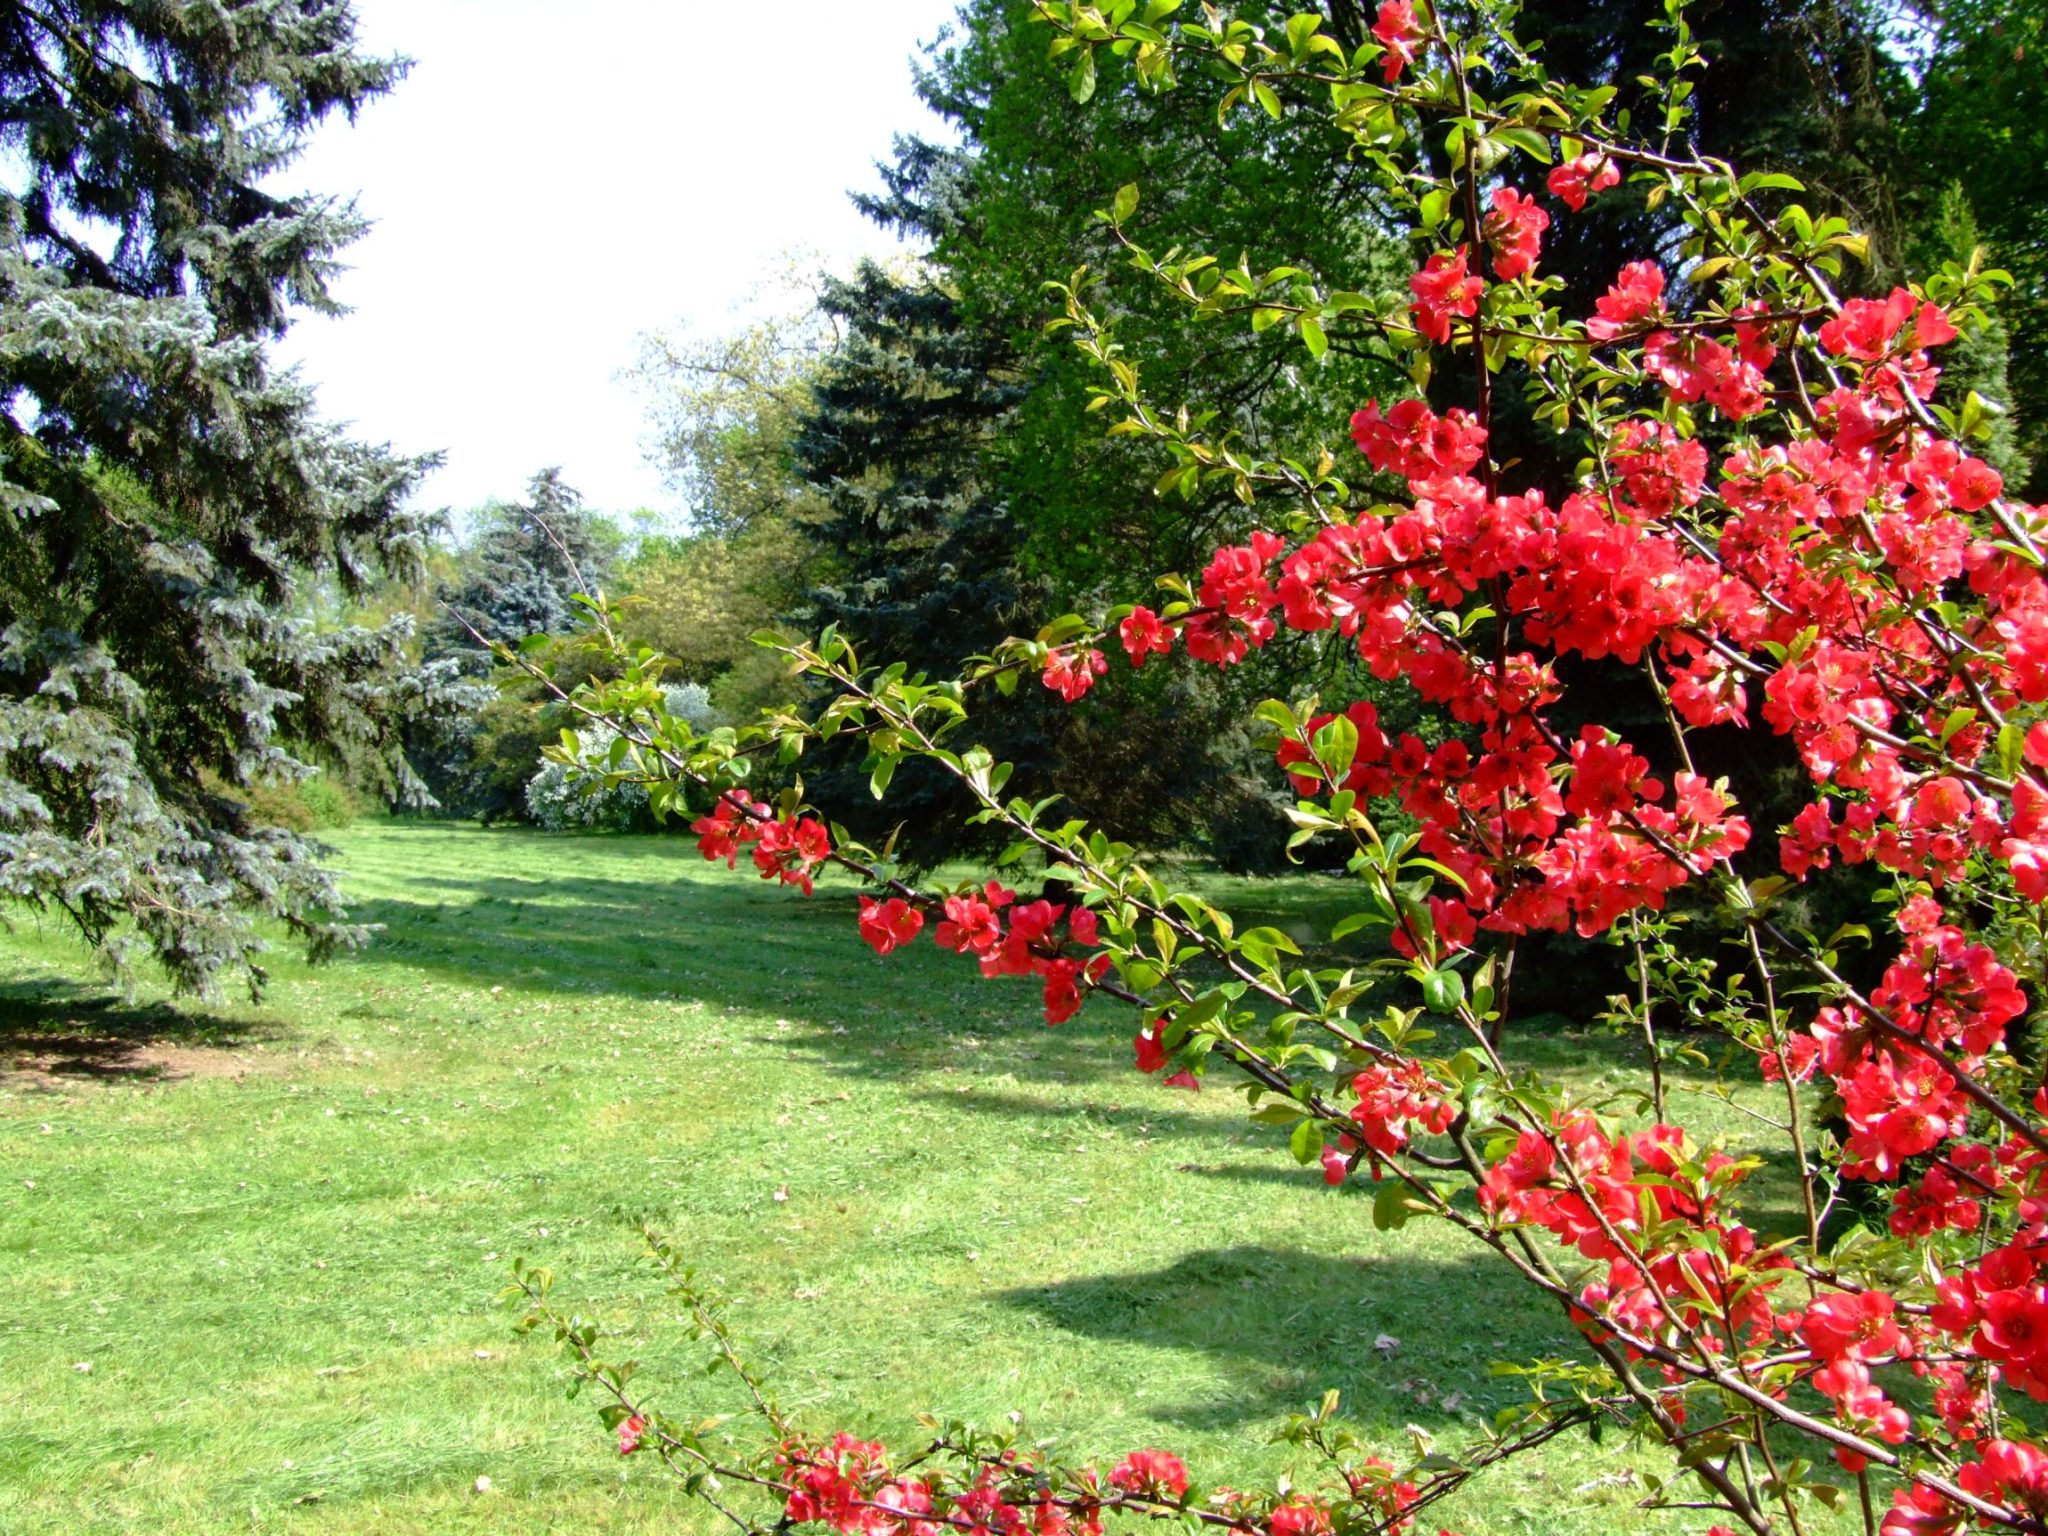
(525, 563)
(516, 577)
(922, 548)
(168, 501)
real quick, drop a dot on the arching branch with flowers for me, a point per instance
(1778, 523)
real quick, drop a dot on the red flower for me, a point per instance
(1149, 1043)
(1576, 178)
(1062, 990)
(1514, 230)
(790, 849)
(1398, 33)
(1143, 634)
(1154, 1474)
(1236, 588)
(733, 822)
(969, 926)
(1974, 484)
(1392, 1096)
(1299, 1517)
(1607, 778)
(1853, 1327)
(631, 1428)
(2012, 1472)
(1444, 288)
(886, 924)
(1071, 673)
(1336, 1168)
(1417, 444)
(1868, 329)
(1918, 1511)
(1637, 294)
(2036, 750)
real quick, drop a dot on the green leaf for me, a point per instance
(1443, 991)
(1346, 926)
(1281, 1112)
(2012, 744)
(1081, 82)
(1270, 938)
(1336, 746)
(1527, 140)
(1389, 1206)
(1126, 202)
(1306, 1143)
(885, 770)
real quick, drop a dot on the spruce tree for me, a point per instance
(922, 549)
(170, 504)
(516, 576)
(926, 567)
(525, 563)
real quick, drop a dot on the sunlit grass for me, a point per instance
(251, 1264)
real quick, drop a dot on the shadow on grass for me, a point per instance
(57, 1029)
(1398, 1335)
(738, 943)
(742, 945)
(1146, 1117)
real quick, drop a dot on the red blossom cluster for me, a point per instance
(1155, 1474)
(1578, 178)
(1072, 672)
(1637, 295)
(1647, 1207)
(846, 1484)
(1393, 1096)
(1038, 938)
(886, 925)
(786, 848)
(1444, 289)
(1514, 233)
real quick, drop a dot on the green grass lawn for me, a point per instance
(251, 1253)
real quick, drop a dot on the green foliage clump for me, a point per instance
(322, 803)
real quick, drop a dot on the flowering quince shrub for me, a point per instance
(1780, 524)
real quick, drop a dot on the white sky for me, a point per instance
(547, 188)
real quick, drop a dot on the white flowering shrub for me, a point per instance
(565, 798)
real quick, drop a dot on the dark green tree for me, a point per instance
(896, 439)
(896, 436)
(1020, 207)
(168, 502)
(1977, 133)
